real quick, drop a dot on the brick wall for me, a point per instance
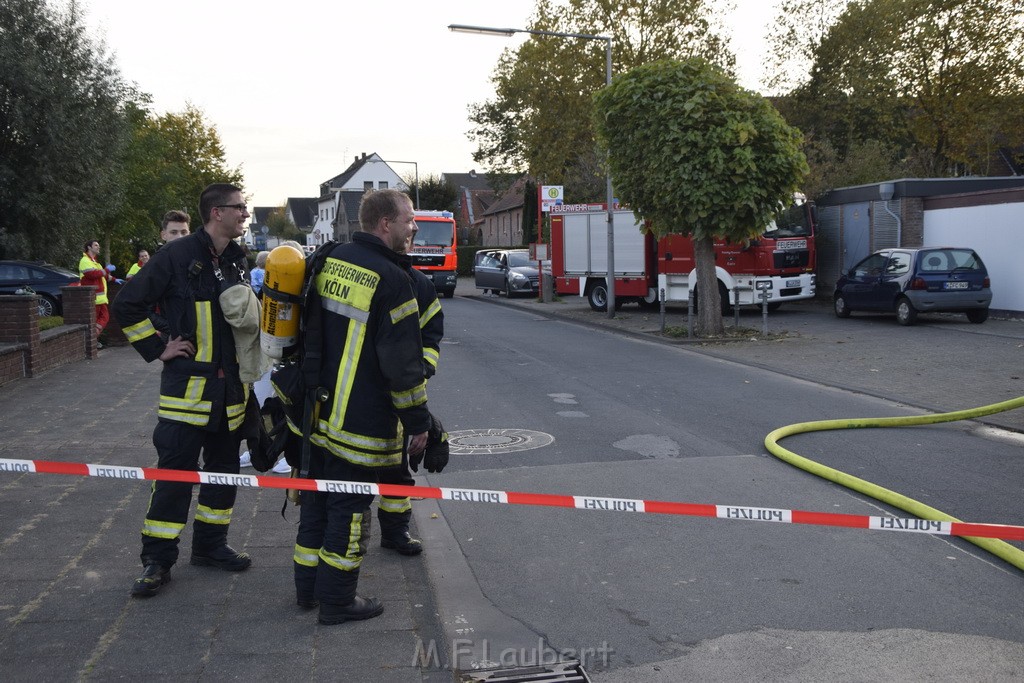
(27, 352)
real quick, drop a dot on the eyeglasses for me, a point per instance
(240, 207)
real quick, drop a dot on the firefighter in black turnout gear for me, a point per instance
(394, 513)
(372, 369)
(202, 399)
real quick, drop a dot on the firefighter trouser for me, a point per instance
(334, 529)
(394, 513)
(178, 447)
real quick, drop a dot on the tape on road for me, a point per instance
(1005, 532)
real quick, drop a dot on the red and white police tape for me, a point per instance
(1006, 532)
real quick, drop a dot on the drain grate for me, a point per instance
(560, 672)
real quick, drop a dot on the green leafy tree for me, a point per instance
(435, 194)
(939, 82)
(62, 131)
(793, 40)
(281, 226)
(694, 154)
(539, 119)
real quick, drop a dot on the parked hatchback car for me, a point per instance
(506, 270)
(42, 278)
(912, 281)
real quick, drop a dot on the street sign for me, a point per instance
(550, 195)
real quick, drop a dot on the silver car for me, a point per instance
(506, 270)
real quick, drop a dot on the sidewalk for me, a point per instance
(69, 545)
(69, 549)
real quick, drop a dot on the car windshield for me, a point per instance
(519, 258)
(948, 260)
(792, 222)
(433, 234)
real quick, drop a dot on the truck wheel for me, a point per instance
(597, 297)
(906, 314)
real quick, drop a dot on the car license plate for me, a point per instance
(792, 283)
(792, 244)
(957, 285)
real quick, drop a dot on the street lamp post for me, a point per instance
(417, 170)
(488, 31)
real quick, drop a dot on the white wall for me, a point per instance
(322, 228)
(996, 232)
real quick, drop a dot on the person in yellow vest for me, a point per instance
(95, 275)
(137, 266)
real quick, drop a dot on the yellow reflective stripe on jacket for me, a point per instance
(358, 457)
(204, 331)
(433, 309)
(160, 529)
(212, 516)
(402, 312)
(416, 396)
(190, 409)
(347, 368)
(395, 505)
(236, 411)
(139, 331)
(431, 355)
(307, 557)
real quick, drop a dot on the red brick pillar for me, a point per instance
(19, 324)
(79, 304)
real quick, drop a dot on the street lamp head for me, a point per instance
(482, 30)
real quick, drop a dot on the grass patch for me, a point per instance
(730, 334)
(50, 322)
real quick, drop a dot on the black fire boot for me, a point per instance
(402, 542)
(225, 557)
(154, 576)
(360, 608)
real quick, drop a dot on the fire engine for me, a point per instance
(780, 262)
(434, 250)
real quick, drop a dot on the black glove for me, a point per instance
(435, 456)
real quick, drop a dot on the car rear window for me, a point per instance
(948, 260)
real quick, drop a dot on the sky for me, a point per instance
(298, 89)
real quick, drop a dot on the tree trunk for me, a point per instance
(709, 309)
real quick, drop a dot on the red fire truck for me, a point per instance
(781, 260)
(434, 250)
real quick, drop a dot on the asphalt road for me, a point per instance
(643, 596)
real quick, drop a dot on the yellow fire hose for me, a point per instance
(999, 548)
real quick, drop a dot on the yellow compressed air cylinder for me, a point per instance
(279, 326)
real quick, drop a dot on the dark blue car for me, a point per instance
(911, 281)
(42, 278)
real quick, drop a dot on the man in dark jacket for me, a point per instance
(394, 513)
(202, 399)
(372, 366)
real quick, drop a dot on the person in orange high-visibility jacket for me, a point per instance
(372, 365)
(96, 276)
(202, 397)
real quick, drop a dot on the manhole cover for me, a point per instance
(491, 441)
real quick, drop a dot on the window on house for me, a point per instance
(382, 185)
(367, 185)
